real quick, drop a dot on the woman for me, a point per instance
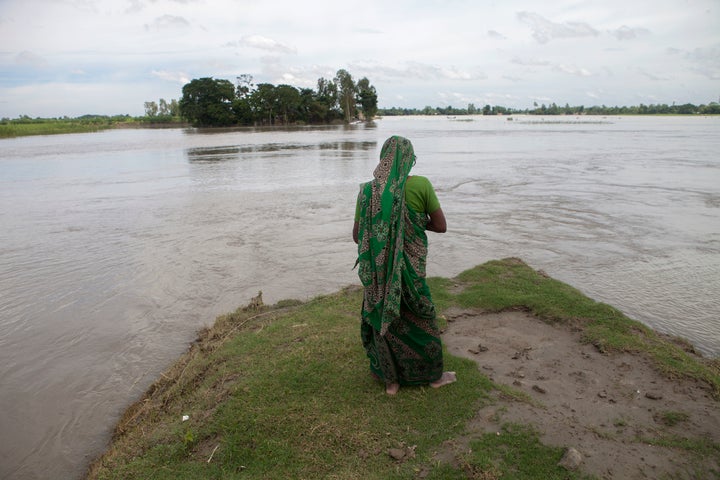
(398, 327)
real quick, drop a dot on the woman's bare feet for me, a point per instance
(392, 388)
(445, 379)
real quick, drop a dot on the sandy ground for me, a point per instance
(605, 406)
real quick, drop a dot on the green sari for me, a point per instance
(398, 326)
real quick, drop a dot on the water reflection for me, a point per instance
(346, 145)
(212, 154)
(346, 148)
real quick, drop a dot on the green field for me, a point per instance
(89, 123)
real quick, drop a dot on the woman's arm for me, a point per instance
(437, 222)
(356, 227)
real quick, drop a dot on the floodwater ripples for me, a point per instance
(118, 246)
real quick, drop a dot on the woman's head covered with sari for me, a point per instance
(397, 157)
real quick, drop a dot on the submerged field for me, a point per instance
(284, 392)
(44, 126)
(8, 130)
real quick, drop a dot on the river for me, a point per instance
(117, 246)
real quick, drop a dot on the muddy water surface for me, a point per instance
(117, 246)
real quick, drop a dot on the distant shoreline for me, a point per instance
(21, 128)
(51, 126)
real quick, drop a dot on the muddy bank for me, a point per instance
(616, 409)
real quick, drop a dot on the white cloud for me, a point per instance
(627, 33)
(513, 78)
(497, 35)
(413, 71)
(276, 72)
(653, 76)
(558, 67)
(531, 62)
(372, 31)
(139, 5)
(177, 77)
(167, 22)
(264, 43)
(706, 61)
(30, 59)
(572, 70)
(544, 30)
(135, 6)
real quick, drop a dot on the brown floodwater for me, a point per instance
(118, 246)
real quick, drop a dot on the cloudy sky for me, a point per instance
(72, 57)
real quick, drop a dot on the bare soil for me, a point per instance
(609, 407)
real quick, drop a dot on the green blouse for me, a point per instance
(419, 195)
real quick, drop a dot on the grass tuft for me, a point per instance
(516, 452)
(671, 418)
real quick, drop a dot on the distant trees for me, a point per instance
(367, 98)
(713, 108)
(346, 94)
(327, 98)
(163, 111)
(215, 102)
(151, 109)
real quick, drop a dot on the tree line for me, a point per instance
(211, 102)
(713, 108)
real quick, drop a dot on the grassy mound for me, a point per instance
(285, 392)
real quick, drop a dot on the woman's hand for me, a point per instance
(356, 227)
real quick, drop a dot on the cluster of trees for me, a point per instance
(162, 111)
(208, 102)
(713, 108)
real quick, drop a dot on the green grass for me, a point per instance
(672, 418)
(285, 392)
(696, 449)
(516, 453)
(287, 395)
(8, 130)
(699, 447)
(89, 123)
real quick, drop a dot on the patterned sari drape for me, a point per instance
(398, 316)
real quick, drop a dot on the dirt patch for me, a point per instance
(609, 407)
